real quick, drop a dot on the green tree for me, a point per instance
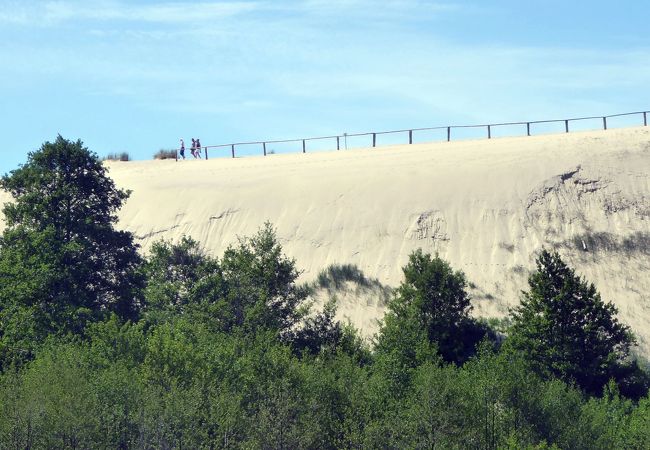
(262, 289)
(566, 330)
(62, 263)
(432, 298)
(183, 280)
(319, 332)
(253, 287)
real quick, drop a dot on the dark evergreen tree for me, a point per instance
(62, 263)
(566, 330)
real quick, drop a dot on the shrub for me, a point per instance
(165, 154)
(124, 156)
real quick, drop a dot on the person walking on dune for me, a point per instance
(198, 148)
(193, 149)
(182, 148)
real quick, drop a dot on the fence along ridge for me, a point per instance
(410, 131)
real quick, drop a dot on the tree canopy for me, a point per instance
(62, 262)
(566, 329)
(432, 301)
(182, 349)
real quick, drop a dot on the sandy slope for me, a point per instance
(487, 206)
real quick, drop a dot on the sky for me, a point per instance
(135, 76)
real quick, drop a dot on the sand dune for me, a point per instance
(486, 206)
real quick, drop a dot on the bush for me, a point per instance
(165, 154)
(124, 156)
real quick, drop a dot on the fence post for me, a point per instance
(232, 150)
(176, 155)
(528, 128)
(303, 146)
(489, 132)
(645, 119)
(566, 125)
(264, 147)
(338, 145)
(374, 139)
(410, 136)
(604, 123)
(448, 134)
(206, 152)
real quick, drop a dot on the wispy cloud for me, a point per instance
(371, 7)
(55, 12)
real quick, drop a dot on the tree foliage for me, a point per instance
(253, 287)
(263, 292)
(566, 329)
(432, 300)
(62, 263)
(226, 353)
(182, 279)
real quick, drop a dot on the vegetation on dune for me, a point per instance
(567, 331)
(123, 156)
(100, 348)
(165, 154)
(340, 277)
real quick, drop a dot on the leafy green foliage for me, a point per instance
(227, 355)
(319, 332)
(566, 330)
(183, 280)
(62, 264)
(253, 287)
(262, 288)
(432, 300)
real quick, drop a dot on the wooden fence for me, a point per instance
(410, 132)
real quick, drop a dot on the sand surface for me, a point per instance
(487, 206)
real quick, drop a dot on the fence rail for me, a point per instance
(411, 131)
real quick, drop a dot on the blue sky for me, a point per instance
(136, 76)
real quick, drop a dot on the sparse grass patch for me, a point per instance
(337, 274)
(519, 269)
(165, 154)
(123, 156)
(335, 277)
(638, 242)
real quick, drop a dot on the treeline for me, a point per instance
(102, 348)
